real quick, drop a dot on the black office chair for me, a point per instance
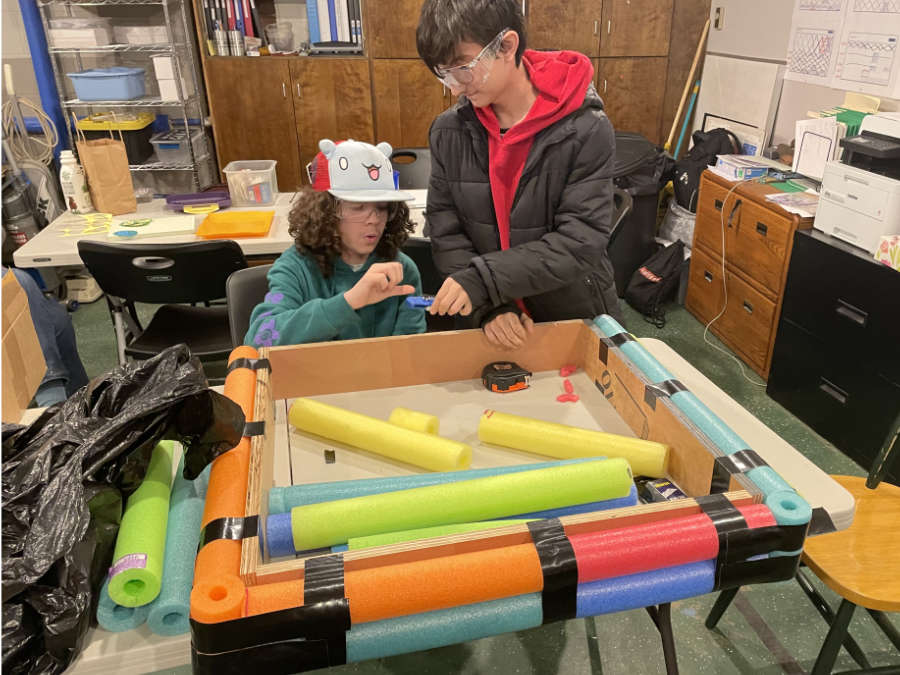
(244, 289)
(628, 245)
(166, 274)
(413, 166)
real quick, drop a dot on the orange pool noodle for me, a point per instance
(226, 497)
(218, 599)
(274, 597)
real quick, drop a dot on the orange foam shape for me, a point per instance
(220, 599)
(274, 597)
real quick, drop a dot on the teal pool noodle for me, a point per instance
(283, 499)
(443, 627)
(115, 618)
(169, 613)
(788, 510)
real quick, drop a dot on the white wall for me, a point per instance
(15, 52)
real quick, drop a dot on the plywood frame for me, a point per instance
(357, 365)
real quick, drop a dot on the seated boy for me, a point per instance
(345, 277)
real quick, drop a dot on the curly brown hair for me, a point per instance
(314, 224)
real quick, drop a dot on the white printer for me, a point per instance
(860, 196)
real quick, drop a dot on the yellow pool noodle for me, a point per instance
(368, 433)
(414, 420)
(647, 458)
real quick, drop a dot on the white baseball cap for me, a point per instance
(355, 172)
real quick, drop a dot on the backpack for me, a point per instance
(655, 281)
(707, 145)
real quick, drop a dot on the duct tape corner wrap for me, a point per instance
(788, 507)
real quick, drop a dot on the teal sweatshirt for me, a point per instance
(304, 306)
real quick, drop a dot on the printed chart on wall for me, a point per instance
(852, 45)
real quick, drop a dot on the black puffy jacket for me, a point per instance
(559, 224)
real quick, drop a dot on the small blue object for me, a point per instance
(126, 233)
(419, 301)
(279, 536)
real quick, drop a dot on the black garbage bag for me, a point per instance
(65, 478)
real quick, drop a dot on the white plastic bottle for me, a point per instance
(74, 186)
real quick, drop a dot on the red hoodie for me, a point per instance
(561, 80)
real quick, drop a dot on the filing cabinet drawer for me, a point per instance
(758, 245)
(704, 294)
(747, 322)
(711, 208)
(832, 391)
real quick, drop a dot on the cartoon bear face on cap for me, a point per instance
(354, 165)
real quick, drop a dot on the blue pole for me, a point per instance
(43, 70)
(687, 117)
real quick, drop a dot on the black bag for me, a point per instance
(655, 281)
(707, 145)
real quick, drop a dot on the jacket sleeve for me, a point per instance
(575, 242)
(290, 314)
(451, 247)
(409, 319)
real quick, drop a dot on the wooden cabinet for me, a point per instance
(632, 90)
(392, 28)
(564, 24)
(758, 238)
(635, 27)
(253, 113)
(407, 99)
(332, 99)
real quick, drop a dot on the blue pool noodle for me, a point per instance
(115, 618)
(786, 505)
(283, 499)
(645, 589)
(428, 630)
(169, 613)
(280, 538)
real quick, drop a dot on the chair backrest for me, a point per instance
(622, 205)
(245, 289)
(413, 166)
(889, 452)
(163, 273)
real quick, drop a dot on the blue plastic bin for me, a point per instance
(108, 84)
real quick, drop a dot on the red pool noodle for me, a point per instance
(641, 548)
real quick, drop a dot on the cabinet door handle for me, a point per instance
(851, 313)
(298, 90)
(608, 26)
(748, 307)
(596, 26)
(524, 9)
(708, 276)
(718, 205)
(762, 228)
(283, 90)
(833, 391)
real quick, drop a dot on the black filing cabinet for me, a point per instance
(836, 362)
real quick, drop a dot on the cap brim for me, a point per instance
(372, 195)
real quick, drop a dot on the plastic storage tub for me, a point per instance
(136, 132)
(109, 84)
(252, 182)
(74, 33)
(171, 146)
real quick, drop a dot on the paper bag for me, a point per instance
(105, 165)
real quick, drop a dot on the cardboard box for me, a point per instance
(23, 360)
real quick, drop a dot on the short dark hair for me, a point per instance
(443, 24)
(314, 223)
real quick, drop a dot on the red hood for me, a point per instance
(561, 80)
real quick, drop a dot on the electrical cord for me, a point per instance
(22, 145)
(725, 291)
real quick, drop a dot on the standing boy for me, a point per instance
(520, 199)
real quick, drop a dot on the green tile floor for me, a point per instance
(769, 629)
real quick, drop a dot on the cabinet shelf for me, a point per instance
(155, 165)
(101, 3)
(146, 102)
(117, 49)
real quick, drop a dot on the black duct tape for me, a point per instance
(252, 364)
(741, 461)
(288, 641)
(559, 568)
(821, 522)
(603, 352)
(229, 528)
(323, 579)
(738, 543)
(661, 389)
(254, 429)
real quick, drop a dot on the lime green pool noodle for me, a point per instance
(427, 533)
(136, 573)
(330, 523)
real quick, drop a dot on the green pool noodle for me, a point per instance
(330, 523)
(136, 573)
(427, 533)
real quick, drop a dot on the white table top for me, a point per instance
(52, 247)
(140, 651)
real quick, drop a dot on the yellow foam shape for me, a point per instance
(368, 433)
(414, 420)
(647, 458)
